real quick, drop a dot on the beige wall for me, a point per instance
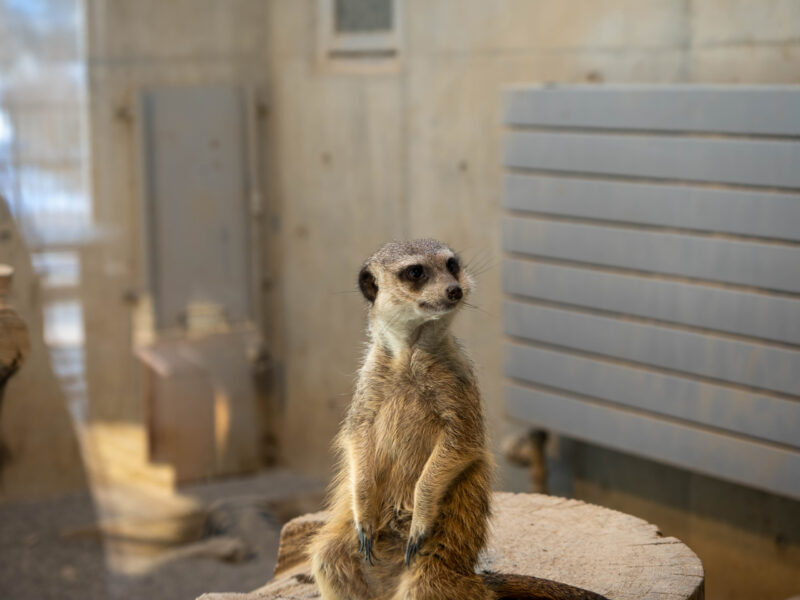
(357, 159)
(351, 160)
(360, 158)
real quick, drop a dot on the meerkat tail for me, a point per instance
(523, 587)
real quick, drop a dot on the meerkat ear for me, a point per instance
(366, 282)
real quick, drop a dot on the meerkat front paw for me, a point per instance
(366, 537)
(416, 537)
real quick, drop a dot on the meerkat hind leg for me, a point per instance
(338, 568)
(444, 567)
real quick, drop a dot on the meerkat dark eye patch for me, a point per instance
(414, 274)
(453, 266)
(367, 285)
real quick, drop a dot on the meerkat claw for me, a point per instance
(361, 540)
(365, 544)
(368, 550)
(412, 547)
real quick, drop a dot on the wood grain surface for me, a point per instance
(605, 551)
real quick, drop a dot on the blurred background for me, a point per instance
(188, 188)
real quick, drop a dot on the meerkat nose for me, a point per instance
(454, 292)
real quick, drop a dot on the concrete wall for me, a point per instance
(358, 158)
(352, 159)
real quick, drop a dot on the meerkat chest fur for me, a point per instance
(404, 405)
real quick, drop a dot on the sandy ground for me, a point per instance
(39, 562)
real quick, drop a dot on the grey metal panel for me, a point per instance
(740, 161)
(751, 364)
(606, 175)
(196, 192)
(710, 307)
(758, 415)
(771, 468)
(745, 212)
(761, 265)
(765, 110)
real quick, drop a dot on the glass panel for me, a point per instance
(110, 424)
(355, 16)
(43, 171)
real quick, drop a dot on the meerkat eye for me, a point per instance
(414, 272)
(453, 266)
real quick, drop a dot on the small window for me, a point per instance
(359, 31)
(357, 16)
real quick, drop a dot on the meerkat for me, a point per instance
(411, 499)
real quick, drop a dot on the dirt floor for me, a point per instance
(52, 549)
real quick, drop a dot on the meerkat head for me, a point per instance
(411, 283)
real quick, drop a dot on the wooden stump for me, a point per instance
(605, 551)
